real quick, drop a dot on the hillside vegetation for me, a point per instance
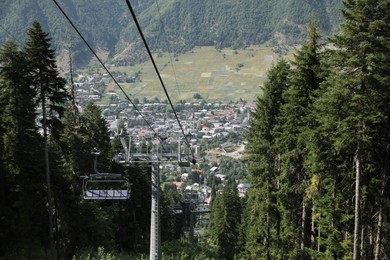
(231, 75)
(184, 24)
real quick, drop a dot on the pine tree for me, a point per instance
(353, 114)
(293, 133)
(225, 221)
(94, 129)
(20, 153)
(263, 166)
(51, 97)
(171, 223)
(45, 77)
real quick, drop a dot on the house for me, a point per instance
(178, 184)
(184, 176)
(213, 169)
(170, 167)
(243, 188)
(207, 137)
(205, 129)
(220, 176)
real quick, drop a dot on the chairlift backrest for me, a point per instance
(184, 164)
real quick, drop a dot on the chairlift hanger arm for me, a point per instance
(95, 185)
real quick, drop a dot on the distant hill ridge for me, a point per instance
(108, 25)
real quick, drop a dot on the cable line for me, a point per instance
(106, 69)
(12, 36)
(167, 46)
(158, 73)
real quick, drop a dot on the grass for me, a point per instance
(217, 75)
(171, 250)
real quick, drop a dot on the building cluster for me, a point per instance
(202, 121)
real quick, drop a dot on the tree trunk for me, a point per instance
(378, 238)
(319, 236)
(48, 183)
(268, 223)
(57, 229)
(356, 255)
(362, 239)
(303, 235)
(268, 234)
(313, 227)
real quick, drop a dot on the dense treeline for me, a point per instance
(100, 22)
(318, 147)
(45, 146)
(235, 24)
(185, 24)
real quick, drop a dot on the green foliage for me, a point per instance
(21, 161)
(100, 254)
(27, 90)
(185, 24)
(225, 221)
(233, 24)
(179, 249)
(233, 169)
(45, 77)
(95, 128)
(302, 165)
(197, 96)
(171, 224)
(292, 136)
(263, 165)
(317, 117)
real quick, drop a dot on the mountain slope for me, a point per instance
(232, 23)
(185, 23)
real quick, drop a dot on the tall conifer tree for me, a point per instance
(225, 221)
(292, 136)
(51, 96)
(353, 113)
(263, 234)
(20, 152)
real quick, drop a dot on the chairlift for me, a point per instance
(176, 210)
(193, 197)
(183, 164)
(105, 186)
(184, 160)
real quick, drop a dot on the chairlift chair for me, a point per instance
(106, 186)
(184, 160)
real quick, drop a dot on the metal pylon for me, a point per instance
(155, 230)
(127, 159)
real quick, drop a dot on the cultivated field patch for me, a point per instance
(217, 74)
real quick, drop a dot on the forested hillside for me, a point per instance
(108, 25)
(239, 23)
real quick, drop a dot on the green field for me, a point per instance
(217, 75)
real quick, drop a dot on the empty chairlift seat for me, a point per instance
(106, 186)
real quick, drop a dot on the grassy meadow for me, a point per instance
(215, 74)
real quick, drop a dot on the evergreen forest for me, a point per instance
(319, 146)
(182, 24)
(317, 153)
